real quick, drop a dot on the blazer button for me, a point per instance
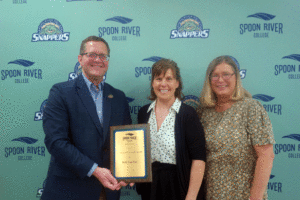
(105, 150)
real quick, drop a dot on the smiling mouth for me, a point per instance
(164, 91)
(101, 66)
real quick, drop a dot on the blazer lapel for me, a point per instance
(88, 102)
(107, 98)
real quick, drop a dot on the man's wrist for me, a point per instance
(94, 167)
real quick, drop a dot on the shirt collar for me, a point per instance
(91, 85)
(176, 105)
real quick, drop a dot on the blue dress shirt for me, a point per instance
(97, 95)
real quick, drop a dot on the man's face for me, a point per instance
(94, 68)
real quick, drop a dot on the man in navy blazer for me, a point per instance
(76, 122)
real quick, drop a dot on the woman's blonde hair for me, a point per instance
(208, 97)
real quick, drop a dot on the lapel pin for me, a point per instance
(110, 96)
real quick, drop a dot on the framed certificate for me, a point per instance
(130, 158)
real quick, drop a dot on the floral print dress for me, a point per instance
(231, 158)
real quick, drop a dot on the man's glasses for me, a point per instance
(215, 77)
(102, 57)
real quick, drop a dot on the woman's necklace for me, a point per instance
(162, 109)
(162, 113)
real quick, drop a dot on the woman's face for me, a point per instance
(165, 85)
(223, 80)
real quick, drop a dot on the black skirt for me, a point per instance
(164, 186)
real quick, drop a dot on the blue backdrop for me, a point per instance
(40, 41)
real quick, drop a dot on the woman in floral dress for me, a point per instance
(238, 133)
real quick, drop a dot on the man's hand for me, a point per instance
(123, 184)
(106, 178)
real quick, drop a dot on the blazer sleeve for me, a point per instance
(57, 140)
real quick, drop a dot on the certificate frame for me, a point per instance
(130, 153)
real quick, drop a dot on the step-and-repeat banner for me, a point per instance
(40, 41)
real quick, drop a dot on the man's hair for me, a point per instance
(92, 38)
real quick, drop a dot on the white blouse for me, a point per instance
(163, 141)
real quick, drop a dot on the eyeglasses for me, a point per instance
(102, 57)
(215, 77)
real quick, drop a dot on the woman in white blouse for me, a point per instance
(177, 139)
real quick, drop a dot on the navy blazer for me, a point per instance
(75, 137)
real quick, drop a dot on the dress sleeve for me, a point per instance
(194, 132)
(259, 126)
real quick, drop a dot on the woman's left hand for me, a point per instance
(196, 177)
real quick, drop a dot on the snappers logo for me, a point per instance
(24, 153)
(19, 75)
(77, 71)
(289, 68)
(270, 108)
(144, 71)
(274, 186)
(50, 30)
(39, 115)
(189, 26)
(242, 71)
(19, 1)
(119, 33)
(261, 30)
(289, 148)
(191, 100)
